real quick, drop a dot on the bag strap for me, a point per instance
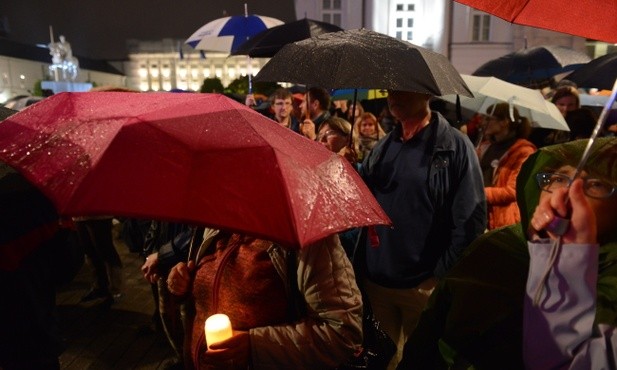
(296, 306)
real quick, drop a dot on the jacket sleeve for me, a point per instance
(559, 333)
(505, 192)
(332, 331)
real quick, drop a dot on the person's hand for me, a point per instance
(150, 269)
(179, 279)
(232, 353)
(582, 227)
(349, 154)
(307, 128)
(250, 100)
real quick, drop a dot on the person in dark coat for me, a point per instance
(426, 176)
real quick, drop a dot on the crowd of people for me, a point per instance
(470, 275)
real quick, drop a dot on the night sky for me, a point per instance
(99, 29)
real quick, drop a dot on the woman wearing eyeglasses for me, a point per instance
(502, 154)
(475, 316)
(570, 308)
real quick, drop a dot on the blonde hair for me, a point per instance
(368, 115)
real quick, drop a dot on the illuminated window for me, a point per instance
(331, 12)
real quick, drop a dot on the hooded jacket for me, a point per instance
(475, 316)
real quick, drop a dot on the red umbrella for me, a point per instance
(593, 19)
(193, 158)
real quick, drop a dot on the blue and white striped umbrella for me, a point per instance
(228, 33)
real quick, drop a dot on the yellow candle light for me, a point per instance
(217, 328)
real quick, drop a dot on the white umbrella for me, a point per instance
(529, 103)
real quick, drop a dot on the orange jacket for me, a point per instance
(501, 197)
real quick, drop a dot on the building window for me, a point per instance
(336, 19)
(331, 12)
(481, 26)
(402, 20)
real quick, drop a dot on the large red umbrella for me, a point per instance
(193, 158)
(593, 19)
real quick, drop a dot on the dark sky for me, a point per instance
(99, 29)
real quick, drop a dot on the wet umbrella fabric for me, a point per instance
(267, 43)
(191, 158)
(228, 33)
(528, 66)
(600, 73)
(592, 19)
(529, 103)
(362, 58)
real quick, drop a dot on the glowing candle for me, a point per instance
(218, 329)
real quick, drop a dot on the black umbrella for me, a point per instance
(531, 66)
(364, 59)
(600, 73)
(268, 42)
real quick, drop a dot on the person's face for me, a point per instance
(405, 105)
(331, 138)
(282, 108)
(604, 208)
(367, 127)
(310, 108)
(493, 125)
(566, 104)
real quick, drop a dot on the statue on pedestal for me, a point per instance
(64, 65)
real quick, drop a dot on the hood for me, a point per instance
(602, 163)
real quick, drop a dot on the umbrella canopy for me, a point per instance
(228, 33)
(190, 158)
(592, 19)
(530, 103)
(364, 59)
(530, 65)
(270, 41)
(600, 73)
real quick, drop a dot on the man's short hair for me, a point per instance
(321, 95)
(281, 93)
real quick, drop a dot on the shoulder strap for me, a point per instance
(296, 307)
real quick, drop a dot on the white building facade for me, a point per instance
(468, 37)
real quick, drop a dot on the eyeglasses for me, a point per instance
(594, 188)
(327, 134)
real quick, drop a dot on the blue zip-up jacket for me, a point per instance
(456, 193)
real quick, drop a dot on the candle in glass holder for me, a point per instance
(217, 328)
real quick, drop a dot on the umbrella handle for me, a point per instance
(353, 117)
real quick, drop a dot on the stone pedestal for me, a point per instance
(61, 86)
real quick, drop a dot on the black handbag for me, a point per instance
(377, 347)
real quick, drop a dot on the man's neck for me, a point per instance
(414, 125)
(284, 121)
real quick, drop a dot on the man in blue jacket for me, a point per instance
(426, 176)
